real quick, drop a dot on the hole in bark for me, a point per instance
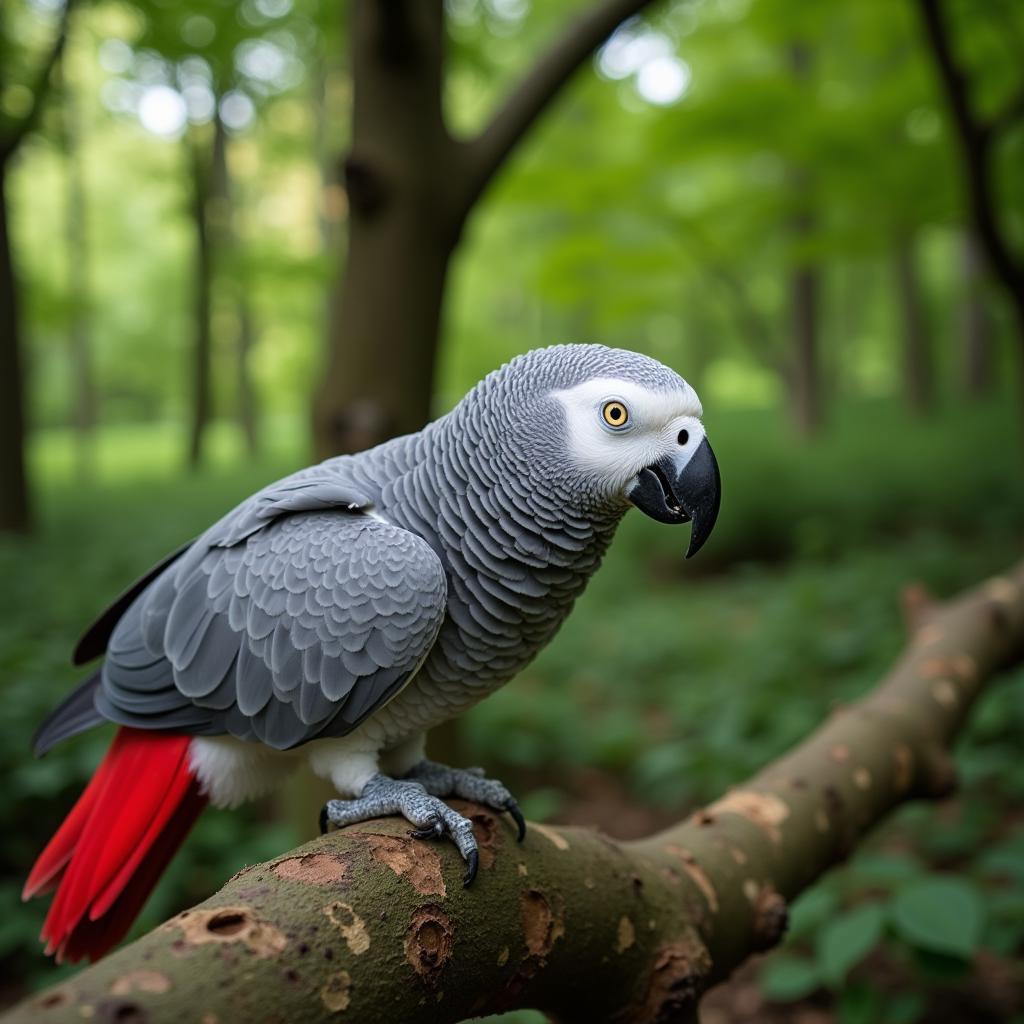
(674, 985)
(771, 918)
(834, 799)
(365, 185)
(428, 942)
(123, 1013)
(542, 922)
(230, 923)
(53, 1000)
(430, 938)
(998, 617)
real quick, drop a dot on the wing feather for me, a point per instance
(302, 630)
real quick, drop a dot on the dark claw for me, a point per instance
(472, 863)
(323, 820)
(435, 831)
(517, 816)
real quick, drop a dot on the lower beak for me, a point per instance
(682, 488)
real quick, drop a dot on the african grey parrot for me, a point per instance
(337, 615)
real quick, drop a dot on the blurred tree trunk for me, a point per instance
(84, 403)
(385, 322)
(14, 500)
(199, 168)
(333, 206)
(804, 291)
(229, 266)
(978, 138)
(975, 324)
(918, 371)
(805, 371)
(248, 419)
(15, 508)
(410, 188)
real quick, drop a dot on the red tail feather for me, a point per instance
(114, 845)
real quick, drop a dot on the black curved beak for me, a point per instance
(677, 489)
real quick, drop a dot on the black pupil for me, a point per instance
(615, 412)
(684, 436)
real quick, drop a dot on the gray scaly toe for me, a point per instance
(431, 817)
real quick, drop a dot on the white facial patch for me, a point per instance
(656, 420)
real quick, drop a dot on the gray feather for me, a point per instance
(75, 714)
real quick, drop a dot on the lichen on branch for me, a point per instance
(370, 925)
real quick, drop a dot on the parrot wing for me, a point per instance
(306, 491)
(301, 628)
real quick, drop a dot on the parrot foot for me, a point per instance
(469, 784)
(432, 817)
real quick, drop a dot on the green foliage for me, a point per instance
(847, 939)
(939, 915)
(927, 925)
(661, 227)
(788, 978)
(677, 240)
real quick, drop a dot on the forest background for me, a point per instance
(794, 205)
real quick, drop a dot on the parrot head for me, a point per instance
(620, 429)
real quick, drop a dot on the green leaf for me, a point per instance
(786, 979)
(847, 939)
(810, 911)
(940, 914)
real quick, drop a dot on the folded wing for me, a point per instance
(300, 627)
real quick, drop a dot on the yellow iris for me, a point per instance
(615, 414)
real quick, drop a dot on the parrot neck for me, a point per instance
(517, 549)
(506, 478)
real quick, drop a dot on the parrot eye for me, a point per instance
(615, 414)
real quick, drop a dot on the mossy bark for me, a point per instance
(370, 925)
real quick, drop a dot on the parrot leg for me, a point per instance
(432, 817)
(468, 784)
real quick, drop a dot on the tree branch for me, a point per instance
(9, 144)
(371, 922)
(975, 150)
(524, 104)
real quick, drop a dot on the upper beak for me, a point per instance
(678, 489)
